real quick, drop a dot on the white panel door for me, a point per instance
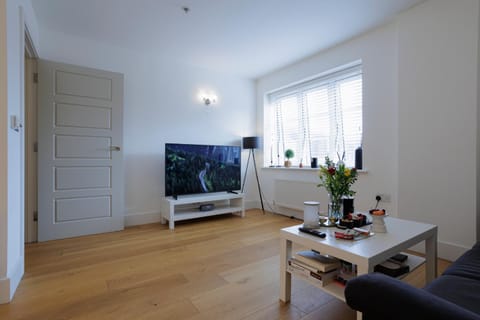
(80, 173)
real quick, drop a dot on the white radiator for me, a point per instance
(292, 194)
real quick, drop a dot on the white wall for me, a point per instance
(420, 117)
(17, 14)
(377, 50)
(438, 59)
(161, 105)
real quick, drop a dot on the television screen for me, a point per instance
(193, 168)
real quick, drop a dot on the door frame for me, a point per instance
(30, 136)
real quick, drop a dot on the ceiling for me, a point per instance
(245, 37)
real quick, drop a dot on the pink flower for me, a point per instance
(331, 171)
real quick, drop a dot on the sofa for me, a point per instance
(455, 295)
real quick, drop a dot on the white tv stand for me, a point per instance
(188, 206)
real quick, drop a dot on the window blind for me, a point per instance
(318, 118)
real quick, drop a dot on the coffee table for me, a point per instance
(365, 253)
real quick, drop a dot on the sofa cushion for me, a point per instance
(380, 297)
(464, 292)
(468, 265)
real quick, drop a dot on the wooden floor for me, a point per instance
(223, 267)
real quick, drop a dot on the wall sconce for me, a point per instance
(208, 99)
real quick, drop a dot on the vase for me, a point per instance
(334, 208)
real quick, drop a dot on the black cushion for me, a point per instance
(468, 265)
(381, 297)
(462, 291)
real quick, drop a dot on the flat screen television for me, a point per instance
(191, 168)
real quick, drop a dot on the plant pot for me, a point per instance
(287, 163)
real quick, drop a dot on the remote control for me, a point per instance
(313, 232)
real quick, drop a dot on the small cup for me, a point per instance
(322, 220)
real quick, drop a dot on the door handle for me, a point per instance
(114, 148)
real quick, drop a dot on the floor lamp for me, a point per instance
(251, 143)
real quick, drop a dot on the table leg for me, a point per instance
(431, 257)
(363, 269)
(285, 277)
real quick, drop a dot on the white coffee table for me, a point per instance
(365, 253)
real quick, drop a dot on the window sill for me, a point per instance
(362, 171)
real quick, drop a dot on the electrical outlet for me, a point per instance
(385, 197)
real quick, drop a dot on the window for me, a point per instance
(317, 118)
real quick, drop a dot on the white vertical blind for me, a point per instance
(318, 118)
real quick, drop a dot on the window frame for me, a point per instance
(332, 76)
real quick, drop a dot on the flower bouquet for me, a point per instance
(337, 180)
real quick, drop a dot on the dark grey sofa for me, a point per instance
(455, 295)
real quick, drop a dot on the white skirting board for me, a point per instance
(9, 285)
(4, 290)
(254, 204)
(448, 251)
(135, 219)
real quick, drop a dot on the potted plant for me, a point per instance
(288, 154)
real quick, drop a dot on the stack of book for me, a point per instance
(318, 268)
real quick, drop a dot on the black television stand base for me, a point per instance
(231, 191)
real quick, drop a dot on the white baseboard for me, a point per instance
(446, 250)
(450, 251)
(135, 219)
(4, 290)
(289, 212)
(269, 206)
(252, 204)
(16, 276)
(9, 285)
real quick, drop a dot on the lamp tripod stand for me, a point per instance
(251, 143)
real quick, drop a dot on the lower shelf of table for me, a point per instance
(336, 289)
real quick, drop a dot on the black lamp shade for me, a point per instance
(250, 142)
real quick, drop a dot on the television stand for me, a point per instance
(188, 207)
